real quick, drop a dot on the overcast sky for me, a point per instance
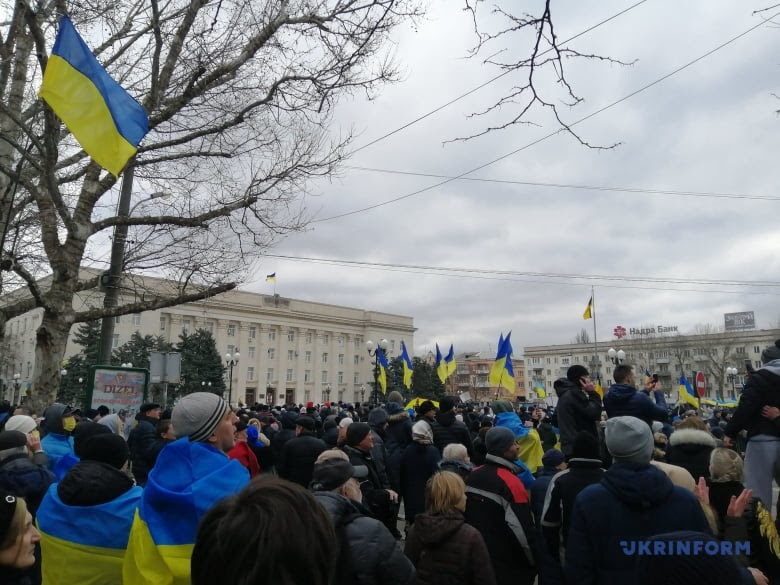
(710, 128)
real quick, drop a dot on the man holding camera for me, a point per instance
(623, 398)
(579, 406)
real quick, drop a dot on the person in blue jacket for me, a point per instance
(633, 502)
(58, 423)
(623, 398)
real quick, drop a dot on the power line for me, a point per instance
(574, 186)
(489, 81)
(552, 278)
(551, 134)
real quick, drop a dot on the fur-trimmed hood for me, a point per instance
(398, 417)
(692, 437)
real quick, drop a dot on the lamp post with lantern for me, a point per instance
(230, 361)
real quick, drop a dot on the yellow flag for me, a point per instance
(588, 314)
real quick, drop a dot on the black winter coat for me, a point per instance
(547, 564)
(691, 449)
(397, 436)
(418, 463)
(91, 483)
(11, 576)
(447, 551)
(576, 411)
(375, 495)
(296, 462)
(450, 430)
(145, 445)
(22, 477)
(761, 389)
(376, 557)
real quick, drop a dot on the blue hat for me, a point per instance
(552, 458)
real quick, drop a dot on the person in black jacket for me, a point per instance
(398, 436)
(449, 429)
(418, 463)
(296, 462)
(18, 474)
(579, 406)
(690, 446)
(144, 442)
(18, 539)
(623, 399)
(762, 455)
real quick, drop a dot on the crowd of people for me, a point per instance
(612, 489)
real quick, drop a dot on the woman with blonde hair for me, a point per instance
(18, 538)
(443, 548)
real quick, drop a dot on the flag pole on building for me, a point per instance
(595, 341)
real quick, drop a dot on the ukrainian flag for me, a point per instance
(598, 387)
(686, 392)
(407, 364)
(271, 277)
(382, 361)
(441, 367)
(540, 390)
(187, 480)
(107, 122)
(85, 544)
(450, 361)
(502, 373)
(588, 314)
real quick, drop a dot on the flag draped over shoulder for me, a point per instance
(686, 392)
(107, 122)
(588, 314)
(502, 373)
(382, 363)
(407, 365)
(187, 480)
(85, 544)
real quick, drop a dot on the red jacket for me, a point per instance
(244, 455)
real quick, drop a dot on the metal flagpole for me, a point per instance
(595, 342)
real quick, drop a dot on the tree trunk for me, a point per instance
(51, 339)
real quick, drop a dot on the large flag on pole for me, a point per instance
(382, 361)
(588, 314)
(450, 361)
(686, 392)
(445, 366)
(502, 373)
(107, 122)
(407, 364)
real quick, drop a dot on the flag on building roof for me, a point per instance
(588, 314)
(271, 277)
(382, 363)
(686, 392)
(407, 365)
(502, 374)
(108, 123)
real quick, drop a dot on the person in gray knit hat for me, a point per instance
(628, 441)
(204, 417)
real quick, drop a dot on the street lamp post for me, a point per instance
(373, 351)
(230, 361)
(326, 393)
(732, 374)
(362, 393)
(17, 386)
(616, 357)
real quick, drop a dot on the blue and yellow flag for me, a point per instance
(85, 544)
(686, 392)
(407, 365)
(449, 360)
(271, 277)
(107, 122)
(540, 390)
(648, 377)
(187, 480)
(588, 314)
(598, 387)
(441, 367)
(382, 362)
(502, 373)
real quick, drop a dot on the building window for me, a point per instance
(117, 320)
(307, 375)
(356, 378)
(250, 373)
(756, 349)
(356, 359)
(757, 364)
(307, 357)
(341, 377)
(186, 325)
(565, 361)
(326, 338)
(251, 352)
(289, 375)
(549, 373)
(392, 344)
(115, 340)
(231, 330)
(271, 353)
(231, 349)
(269, 376)
(252, 332)
(740, 350)
(341, 359)
(289, 355)
(210, 327)
(162, 323)
(609, 370)
(324, 358)
(549, 361)
(272, 335)
(341, 340)
(136, 318)
(308, 338)
(324, 375)
(291, 336)
(358, 342)
(664, 368)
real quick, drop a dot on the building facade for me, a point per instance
(668, 356)
(471, 376)
(290, 350)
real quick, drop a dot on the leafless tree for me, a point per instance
(539, 62)
(239, 95)
(583, 337)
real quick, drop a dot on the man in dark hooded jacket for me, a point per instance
(449, 429)
(58, 423)
(579, 406)
(623, 399)
(144, 443)
(398, 436)
(285, 433)
(633, 502)
(296, 461)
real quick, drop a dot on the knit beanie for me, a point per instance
(8, 503)
(552, 458)
(498, 440)
(629, 440)
(21, 422)
(585, 446)
(421, 431)
(107, 448)
(12, 439)
(356, 432)
(574, 373)
(446, 404)
(771, 353)
(197, 415)
(84, 431)
(396, 397)
(377, 417)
